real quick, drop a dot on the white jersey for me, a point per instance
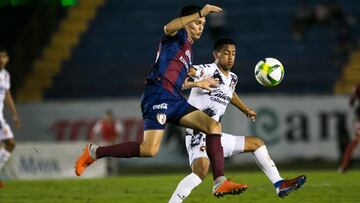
(214, 102)
(5, 130)
(4, 86)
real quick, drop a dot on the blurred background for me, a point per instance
(74, 60)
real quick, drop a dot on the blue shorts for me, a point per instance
(158, 107)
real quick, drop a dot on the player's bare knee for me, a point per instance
(253, 143)
(148, 151)
(202, 173)
(201, 167)
(258, 143)
(202, 170)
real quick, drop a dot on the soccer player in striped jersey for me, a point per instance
(214, 103)
(162, 102)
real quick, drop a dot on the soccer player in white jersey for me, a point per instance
(6, 135)
(214, 102)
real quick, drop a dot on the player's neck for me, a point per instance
(191, 40)
(223, 70)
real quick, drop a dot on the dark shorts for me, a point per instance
(158, 107)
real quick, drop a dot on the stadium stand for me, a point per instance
(119, 47)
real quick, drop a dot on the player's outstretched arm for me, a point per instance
(11, 105)
(176, 24)
(207, 83)
(236, 101)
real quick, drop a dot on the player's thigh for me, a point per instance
(200, 167)
(151, 142)
(198, 120)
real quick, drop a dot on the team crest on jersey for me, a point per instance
(161, 118)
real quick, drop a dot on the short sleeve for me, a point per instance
(234, 80)
(180, 36)
(203, 71)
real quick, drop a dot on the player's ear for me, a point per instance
(215, 54)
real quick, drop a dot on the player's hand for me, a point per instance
(208, 8)
(17, 122)
(251, 114)
(207, 83)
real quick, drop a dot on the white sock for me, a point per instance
(92, 149)
(4, 156)
(185, 187)
(266, 164)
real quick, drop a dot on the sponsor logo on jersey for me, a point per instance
(161, 118)
(219, 96)
(188, 54)
(184, 62)
(160, 106)
(215, 99)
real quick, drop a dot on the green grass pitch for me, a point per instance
(321, 186)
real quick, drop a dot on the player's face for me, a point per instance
(196, 28)
(4, 59)
(226, 56)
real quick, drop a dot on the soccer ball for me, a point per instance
(269, 72)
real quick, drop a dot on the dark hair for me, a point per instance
(189, 10)
(2, 49)
(221, 42)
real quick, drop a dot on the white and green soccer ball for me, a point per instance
(269, 72)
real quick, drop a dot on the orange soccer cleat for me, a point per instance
(83, 161)
(228, 188)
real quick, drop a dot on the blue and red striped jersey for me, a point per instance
(173, 61)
